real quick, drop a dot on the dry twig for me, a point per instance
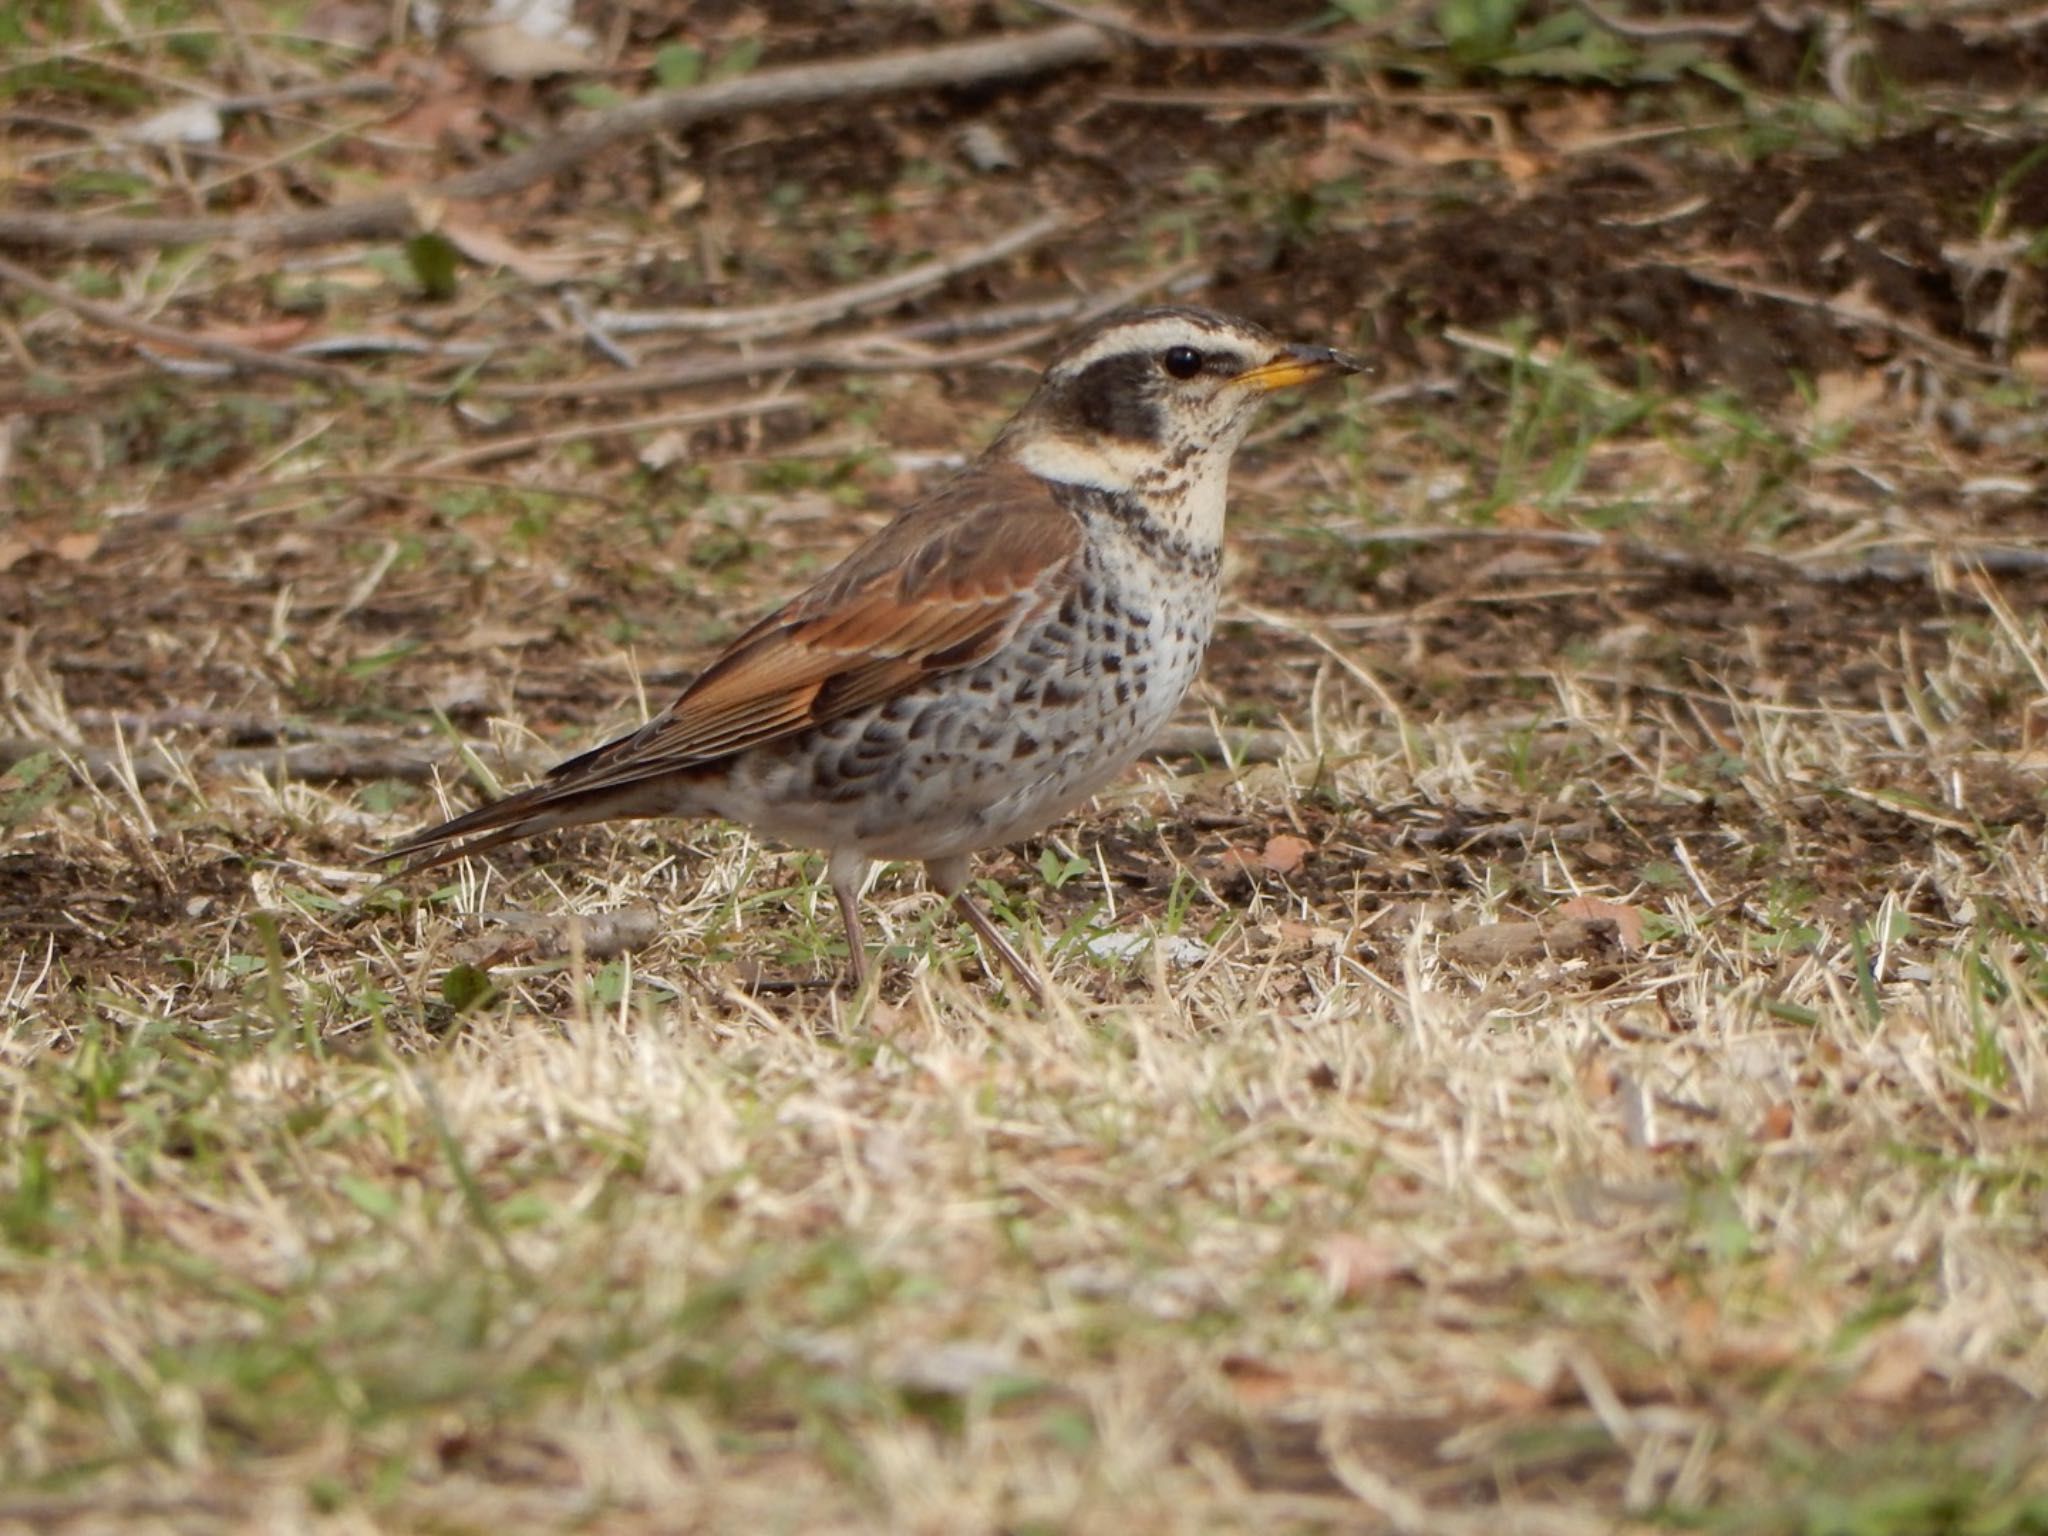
(1890, 563)
(159, 514)
(353, 88)
(377, 218)
(336, 762)
(1255, 42)
(1237, 101)
(694, 416)
(1843, 312)
(891, 351)
(112, 319)
(541, 936)
(818, 309)
(1671, 29)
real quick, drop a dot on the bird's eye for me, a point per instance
(1182, 362)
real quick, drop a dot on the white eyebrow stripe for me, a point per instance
(1148, 336)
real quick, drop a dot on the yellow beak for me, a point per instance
(1298, 365)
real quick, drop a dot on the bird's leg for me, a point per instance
(949, 879)
(845, 870)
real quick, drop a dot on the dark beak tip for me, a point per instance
(1330, 358)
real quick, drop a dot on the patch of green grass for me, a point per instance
(1901, 1487)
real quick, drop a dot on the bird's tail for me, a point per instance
(544, 807)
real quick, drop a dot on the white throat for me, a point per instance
(1188, 500)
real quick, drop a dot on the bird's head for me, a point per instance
(1154, 402)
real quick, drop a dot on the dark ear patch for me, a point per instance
(1114, 397)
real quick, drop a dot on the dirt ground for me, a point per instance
(1686, 557)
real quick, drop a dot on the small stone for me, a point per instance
(987, 149)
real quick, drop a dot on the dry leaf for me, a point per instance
(443, 114)
(189, 122)
(1628, 921)
(1845, 394)
(1492, 944)
(76, 547)
(952, 1369)
(1284, 852)
(1572, 121)
(1638, 1111)
(1699, 1330)
(269, 336)
(685, 192)
(1509, 1396)
(1597, 1079)
(1331, 161)
(601, 935)
(2034, 725)
(1256, 1383)
(1355, 1265)
(490, 636)
(1523, 514)
(987, 150)
(353, 23)
(669, 446)
(487, 248)
(1892, 1369)
(1315, 935)
(506, 51)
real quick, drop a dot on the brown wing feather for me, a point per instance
(940, 588)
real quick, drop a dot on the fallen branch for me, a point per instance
(1002, 317)
(856, 356)
(601, 340)
(694, 416)
(799, 314)
(139, 727)
(1894, 564)
(1200, 739)
(1672, 29)
(106, 316)
(1887, 563)
(1841, 311)
(1521, 832)
(1255, 42)
(320, 761)
(160, 513)
(1237, 101)
(892, 351)
(366, 344)
(392, 215)
(354, 88)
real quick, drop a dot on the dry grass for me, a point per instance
(1322, 1230)
(1338, 1205)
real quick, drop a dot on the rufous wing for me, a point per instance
(941, 588)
